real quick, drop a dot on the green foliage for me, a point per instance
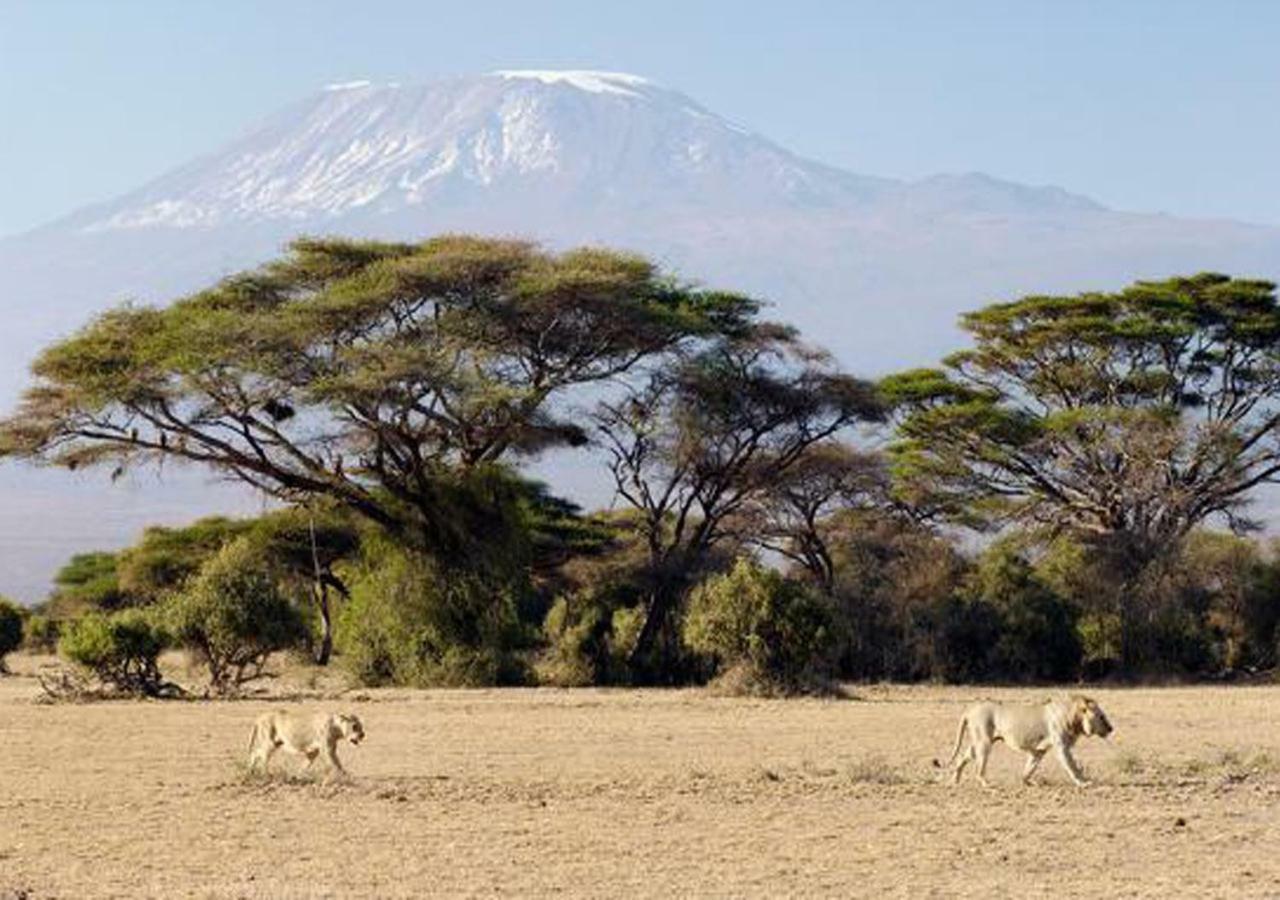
(1236, 588)
(1037, 640)
(704, 440)
(576, 631)
(233, 615)
(302, 546)
(625, 626)
(121, 649)
(587, 641)
(961, 636)
(891, 575)
(41, 634)
(1121, 420)
(11, 628)
(596, 617)
(424, 365)
(779, 634)
(387, 390)
(166, 557)
(1100, 636)
(300, 539)
(408, 623)
(89, 581)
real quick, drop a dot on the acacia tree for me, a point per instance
(793, 515)
(390, 378)
(697, 442)
(1122, 419)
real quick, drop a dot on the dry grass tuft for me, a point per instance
(874, 769)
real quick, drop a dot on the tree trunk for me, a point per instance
(646, 667)
(325, 648)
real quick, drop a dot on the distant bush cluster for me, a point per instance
(1064, 498)
(11, 629)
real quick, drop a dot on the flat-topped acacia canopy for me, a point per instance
(382, 375)
(1125, 418)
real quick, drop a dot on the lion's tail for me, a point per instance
(964, 723)
(253, 736)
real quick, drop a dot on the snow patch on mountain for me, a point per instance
(582, 79)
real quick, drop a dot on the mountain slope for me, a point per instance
(874, 268)
(369, 151)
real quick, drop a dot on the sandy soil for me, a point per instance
(618, 794)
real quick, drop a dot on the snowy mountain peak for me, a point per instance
(582, 79)
(348, 85)
(375, 150)
(484, 150)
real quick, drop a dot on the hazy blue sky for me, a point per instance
(1154, 106)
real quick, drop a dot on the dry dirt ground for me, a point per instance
(595, 793)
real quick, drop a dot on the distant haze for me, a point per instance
(875, 269)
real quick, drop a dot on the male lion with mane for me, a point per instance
(1034, 729)
(311, 736)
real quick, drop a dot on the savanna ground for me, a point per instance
(633, 793)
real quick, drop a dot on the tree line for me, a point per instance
(1066, 497)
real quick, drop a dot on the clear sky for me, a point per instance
(1153, 106)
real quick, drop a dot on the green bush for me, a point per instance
(407, 624)
(233, 615)
(964, 636)
(1100, 635)
(121, 649)
(42, 634)
(891, 576)
(576, 631)
(1175, 641)
(587, 641)
(10, 630)
(768, 633)
(625, 626)
(1038, 640)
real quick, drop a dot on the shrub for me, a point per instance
(1100, 636)
(121, 649)
(1037, 640)
(576, 630)
(407, 624)
(773, 634)
(233, 615)
(891, 575)
(965, 635)
(1176, 642)
(42, 634)
(587, 641)
(625, 628)
(10, 630)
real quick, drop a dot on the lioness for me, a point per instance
(305, 735)
(1054, 724)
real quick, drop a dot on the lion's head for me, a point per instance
(351, 727)
(1089, 718)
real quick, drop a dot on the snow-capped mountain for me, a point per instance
(374, 150)
(876, 269)
(584, 139)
